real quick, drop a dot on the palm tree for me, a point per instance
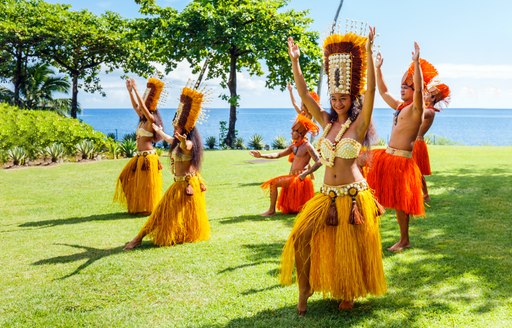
(37, 90)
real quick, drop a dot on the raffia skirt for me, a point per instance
(139, 185)
(179, 217)
(293, 194)
(396, 182)
(345, 260)
(420, 155)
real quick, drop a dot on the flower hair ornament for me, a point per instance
(154, 90)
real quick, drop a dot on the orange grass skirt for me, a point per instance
(139, 185)
(345, 260)
(420, 155)
(294, 192)
(179, 218)
(396, 182)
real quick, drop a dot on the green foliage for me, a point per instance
(223, 132)
(86, 149)
(55, 152)
(239, 143)
(280, 142)
(211, 142)
(256, 142)
(159, 151)
(113, 148)
(130, 136)
(17, 155)
(128, 148)
(111, 135)
(35, 130)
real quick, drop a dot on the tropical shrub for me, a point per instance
(55, 152)
(86, 149)
(211, 142)
(113, 148)
(130, 136)
(279, 142)
(256, 142)
(18, 155)
(111, 135)
(239, 143)
(128, 148)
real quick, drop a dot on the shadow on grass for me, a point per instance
(255, 218)
(459, 264)
(249, 184)
(77, 220)
(90, 254)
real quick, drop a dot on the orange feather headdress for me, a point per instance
(152, 94)
(189, 109)
(304, 125)
(441, 93)
(427, 69)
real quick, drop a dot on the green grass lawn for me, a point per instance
(62, 263)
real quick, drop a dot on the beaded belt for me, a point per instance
(350, 189)
(146, 152)
(296, 172)
(185, 177)
(399, 152)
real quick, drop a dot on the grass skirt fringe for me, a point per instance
(420, 155)
(294, 192)
(179, 218)
(345, 260)
(396, 182)
(139, 185)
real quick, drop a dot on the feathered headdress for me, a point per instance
(189, 109)
(345, 63)
(304, 125)
(427, 69)
(152, 94)
(441, 93)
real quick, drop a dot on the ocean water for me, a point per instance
(462, 126)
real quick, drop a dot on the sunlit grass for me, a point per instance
(62, 263)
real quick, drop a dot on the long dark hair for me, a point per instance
(197, 148)
(357, 104)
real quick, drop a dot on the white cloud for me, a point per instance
(458, 71)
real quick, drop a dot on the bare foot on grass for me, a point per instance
(346, 305)
(268, 213)
(302, 307)
(132, 244)
(399, 246)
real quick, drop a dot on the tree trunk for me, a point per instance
(233, 101)
(74, 96)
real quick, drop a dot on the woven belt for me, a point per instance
(146, 152)
(344, 190)
(185, 177)
(399, 152)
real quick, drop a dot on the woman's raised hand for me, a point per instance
(156, 127)
(416, 52)
(293, 49)
(180, 137)
(371, 38)
(379, 60)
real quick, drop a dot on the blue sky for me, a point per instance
(468, 41)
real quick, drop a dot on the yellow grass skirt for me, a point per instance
(139, 185)
(346, 260)
(179, 218)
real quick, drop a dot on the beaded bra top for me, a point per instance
(346, 148)
(180, 156)
(143, 133)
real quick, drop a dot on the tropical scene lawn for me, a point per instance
(62, 263)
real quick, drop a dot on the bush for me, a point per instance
(128, 148)
(111, 135)
(239, 143)
(34, 130)
(18, 155)
(279, 142)
(113, 148)
(211, 142)
(130, 136)
(256, 142)
(86, 149)
(55, 151)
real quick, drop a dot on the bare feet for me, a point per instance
(302, 307)
(346, 305)
(132, 244)
(268, 213)
(426, 198)
(399, 246)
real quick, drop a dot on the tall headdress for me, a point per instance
(441, 93)
(152, 94)
(190, 107)
(345, 63)
(427, 69)
(304, 125)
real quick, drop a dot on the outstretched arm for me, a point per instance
(142, 106)
(418, 81)
(318, 113)
(160, 131)
(369, 96)
(285, 152)
(383, 88)
(294, 103)
(135, 105)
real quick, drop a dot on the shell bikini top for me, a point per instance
(346, 148)
(143, 133)
(180, 156)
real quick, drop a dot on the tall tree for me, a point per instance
(237, 35)
(20, 37)
(81, 44)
